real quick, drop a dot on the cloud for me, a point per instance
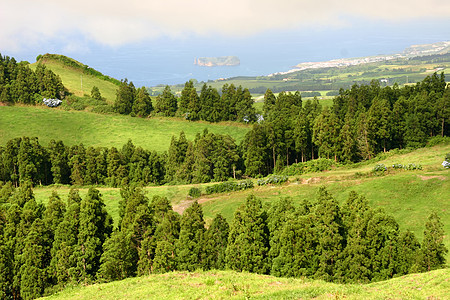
(27, 23)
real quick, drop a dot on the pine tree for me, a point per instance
(95, 93)
(190, 243)
(215, 244)
(248, 242)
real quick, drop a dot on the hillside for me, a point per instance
(77, 77)
(409, 196)
(100, 130)
(228, 284)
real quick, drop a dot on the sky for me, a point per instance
(149, 40)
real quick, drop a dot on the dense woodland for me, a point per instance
(362, 122)
(45, 248)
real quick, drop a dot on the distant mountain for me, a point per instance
(217, 61)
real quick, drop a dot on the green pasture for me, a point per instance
(78, 83)
(234, 285)
(73, 127)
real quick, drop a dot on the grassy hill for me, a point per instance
(228, 284)
(409, 196)
(74, 127)
(79, 78)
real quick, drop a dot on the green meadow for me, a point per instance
(234, 285)
(99, 130)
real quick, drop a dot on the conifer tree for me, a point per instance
(330, 234)
(64, 260)
(95, 227)
(215, 244)
(433, 248)
(166, 103)
(125, 96)
(142, 106)
(409, 253)
(248, 242)
(190, 242)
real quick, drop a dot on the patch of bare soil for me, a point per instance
(311, 180)
(431, 177)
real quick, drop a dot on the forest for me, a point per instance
(362, 122)
(46, 248)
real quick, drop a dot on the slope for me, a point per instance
(228, 284)
(77, 77)
(100, 130)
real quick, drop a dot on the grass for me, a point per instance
(73, 127)
(409, 196)
(77, 82)
(233, 285)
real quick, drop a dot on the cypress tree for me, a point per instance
(248, 242)
(95, 227)
(433, 248)
(215, 244)
(190, 242)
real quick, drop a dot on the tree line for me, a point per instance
(20, 84)
(210, 157)
(233, 104)
(362, 122)
(45, 248)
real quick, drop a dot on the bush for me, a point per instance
(379, 168)
(311, 166)
(229, 186)
(274, 179)
(194, 192)
(446, 163)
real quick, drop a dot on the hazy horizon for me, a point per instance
(156, 43)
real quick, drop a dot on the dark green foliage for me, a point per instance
(248, 241)
(95, 227)
(166, 103)
(189, 246)
(95, 93)
(215, 244)
(229, 186)
(194, 192)
(118, 260)
(142, 106)
(433, 249)
(125, 97)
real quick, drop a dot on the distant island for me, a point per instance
(217, 61)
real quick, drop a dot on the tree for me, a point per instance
(166, 103)
(248, 241)
(95, 93)
(95, 227)
(142, 106)
(190, 243)
(118, 260)
(433, 248)
(215, 244)
(125, 97)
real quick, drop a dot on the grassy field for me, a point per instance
(233, 285)
(73, 127)
(78, 83)
(410, 196)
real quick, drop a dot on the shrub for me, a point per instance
(229, 186)
(274, 179)
(194, 192)
(379, 168)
